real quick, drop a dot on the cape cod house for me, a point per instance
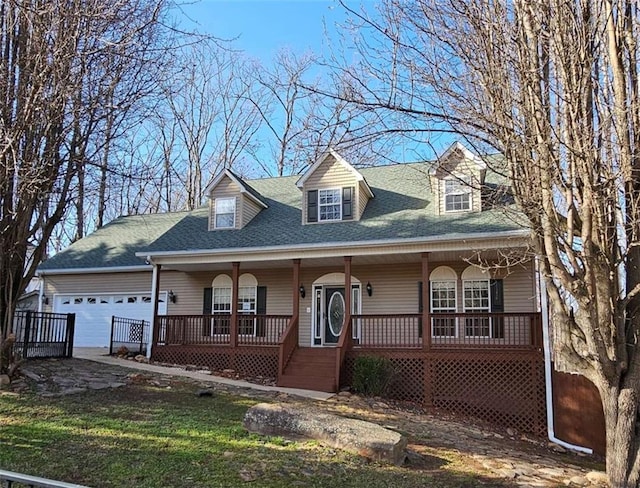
(294, 277)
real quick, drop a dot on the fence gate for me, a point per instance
(43, 334)
(130, 333)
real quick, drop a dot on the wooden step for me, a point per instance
(311, 368)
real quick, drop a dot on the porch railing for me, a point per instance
(458, 330)
(43, 334)
(215, 329)
(288, 344)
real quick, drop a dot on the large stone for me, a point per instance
(363, 438)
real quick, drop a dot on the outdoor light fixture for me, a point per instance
(302, 292)
(45, 300)
(369, 289)
(172, 296)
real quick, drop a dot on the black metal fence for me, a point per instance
(43, 334)
(132, 334)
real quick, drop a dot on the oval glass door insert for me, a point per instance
(336, 313)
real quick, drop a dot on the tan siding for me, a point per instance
(226, 188)
(459, 167)
(189, 288)
(95, 283)
(519, 290)
(249, 210)
(363, 199)
(330, 174)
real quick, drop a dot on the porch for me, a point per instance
(484, 362)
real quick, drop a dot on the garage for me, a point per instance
(94, 311)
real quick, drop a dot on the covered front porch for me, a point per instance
(299, 329)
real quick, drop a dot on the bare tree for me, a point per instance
(52, 112)
(554, 86)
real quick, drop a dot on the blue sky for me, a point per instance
(264, 26)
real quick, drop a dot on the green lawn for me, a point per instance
(152, 437)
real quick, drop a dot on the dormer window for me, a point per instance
(225, 213)
(457, 195)
(329, 203)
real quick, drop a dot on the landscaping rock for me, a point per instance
(364, 438)
(4, 380)
(598, 478)
(141, 359)
(205, 392)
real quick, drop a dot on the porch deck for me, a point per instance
(488, 365)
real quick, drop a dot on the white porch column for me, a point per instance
(155, 286)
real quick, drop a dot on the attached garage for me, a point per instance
(94, 312)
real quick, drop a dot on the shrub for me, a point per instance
(372, 375)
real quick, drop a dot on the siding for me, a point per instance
(226, 188)
(189, 288)
(249, 210)
(395, 288)
(330, 174)
(95, 283)
(458, 168)
(363, 199)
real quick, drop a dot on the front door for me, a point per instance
(334, 314)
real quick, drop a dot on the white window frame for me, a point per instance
(247, 295)
(457, 187)
(435, 310)
(335, 191)
(477, 309)
(216, 213)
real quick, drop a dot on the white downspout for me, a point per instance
(544, 308)
(154, 301)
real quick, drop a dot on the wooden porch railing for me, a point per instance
(215, 329)
(344, 344)
(288, 344)
(457, 330)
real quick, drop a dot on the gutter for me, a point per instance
(113, 269)
(340, 245)
(547, 372)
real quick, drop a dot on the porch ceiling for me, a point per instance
(376, 259)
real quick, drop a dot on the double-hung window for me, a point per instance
(225, 211)
(221, 304)
(457, 194)
(477, 299)
(329, 204)
(247, 306)
(443, 300)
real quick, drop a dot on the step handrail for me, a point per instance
(34, 481)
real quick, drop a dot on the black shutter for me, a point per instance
(347, 203)
(312, 206)
(497, 306)
(261, 309)
(206, 310)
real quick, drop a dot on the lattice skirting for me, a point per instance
(248, 361)
(502, 387)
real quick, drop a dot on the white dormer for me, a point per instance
(456, 180)
(232, 203)
(333, 190)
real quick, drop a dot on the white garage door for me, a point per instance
(94, 311)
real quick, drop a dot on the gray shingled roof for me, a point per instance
(402, 209)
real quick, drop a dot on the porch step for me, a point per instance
(311, 368)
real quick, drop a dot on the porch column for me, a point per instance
(347, 285)
(295, 297)
(233, 330)
(155, 292)
(426, 319)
